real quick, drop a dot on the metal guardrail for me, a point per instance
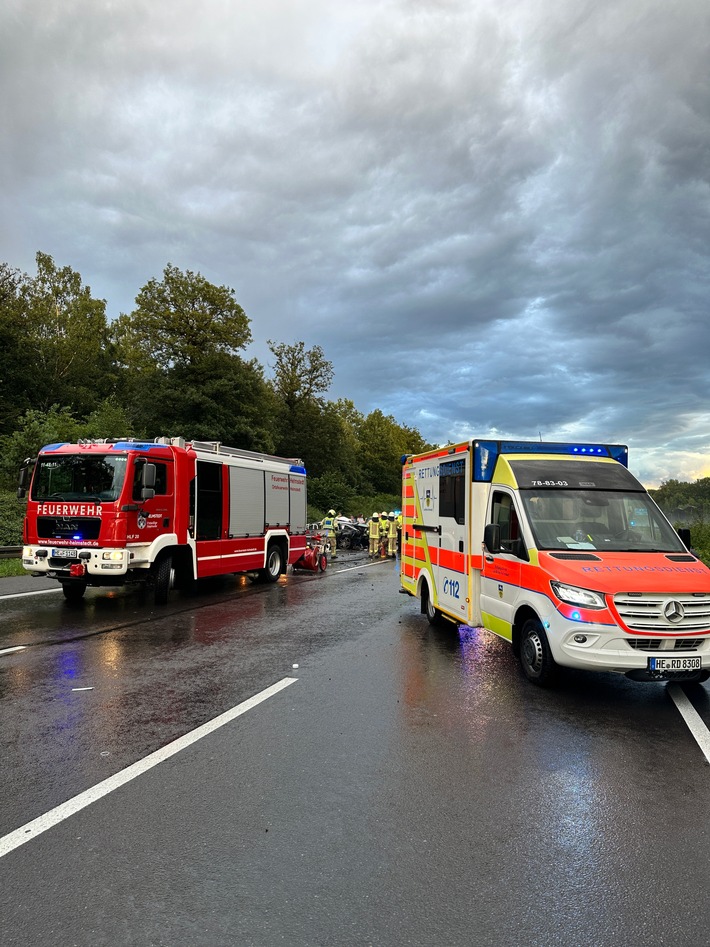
(10, 552)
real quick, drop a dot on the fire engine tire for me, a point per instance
(274, 564)
(162, 579)
(535, 656)
(73, 591)
(322, 562)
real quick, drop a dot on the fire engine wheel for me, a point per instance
(274, 564)
(73, 591)
(535, 656)
(162, 579)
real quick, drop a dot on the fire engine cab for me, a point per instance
(102, 513)
(558, 549)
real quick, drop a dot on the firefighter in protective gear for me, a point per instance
(329, 525)
(392, 535)
(398, 521)
(374, 534)
(384, 533)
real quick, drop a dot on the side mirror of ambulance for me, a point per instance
(684, 535)
(491, 538)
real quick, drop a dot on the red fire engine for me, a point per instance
(103, 513)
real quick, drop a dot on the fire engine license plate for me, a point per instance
(675, 664)
(64, 553)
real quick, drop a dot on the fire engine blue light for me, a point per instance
(130, 445)
(76, 536)
(53, 446)
(294, 468)
(575, 616)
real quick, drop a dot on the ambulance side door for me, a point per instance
(451, 574)
(500, 577)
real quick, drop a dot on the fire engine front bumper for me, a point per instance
(75, 563)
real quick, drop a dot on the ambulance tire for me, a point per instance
(162, 579)
(535, 656)
(274, 563)
(73, 591)
(434, 616)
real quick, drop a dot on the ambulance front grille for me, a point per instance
(654, 644)
(648, 611)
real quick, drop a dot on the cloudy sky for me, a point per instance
(493, 215)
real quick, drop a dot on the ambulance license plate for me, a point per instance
(65, 553)
(675, 664)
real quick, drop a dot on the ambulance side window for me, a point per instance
(452, 490)
(505, 516)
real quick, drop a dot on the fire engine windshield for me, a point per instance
(605, 520)
(96, 477)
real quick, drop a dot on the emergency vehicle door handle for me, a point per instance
(427, 529)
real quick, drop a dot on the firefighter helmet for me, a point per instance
(331, 512)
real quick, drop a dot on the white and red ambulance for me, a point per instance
(561, 551)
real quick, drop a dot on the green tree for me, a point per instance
(221, 398)
(383, 442)
(178, 350)
(300, 374)
(15, 367)
(67, 332)
(179, 321)
(35, 430)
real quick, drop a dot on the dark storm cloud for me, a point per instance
(493, 216)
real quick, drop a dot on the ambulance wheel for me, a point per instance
(434, 616)
(273, 564)
(73, 591)
(322, 562)
(535, 656)
(162, 579)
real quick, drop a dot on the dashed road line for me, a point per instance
(31, 830)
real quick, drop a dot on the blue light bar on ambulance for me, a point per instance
(485, 453)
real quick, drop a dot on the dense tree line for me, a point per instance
(175, 366)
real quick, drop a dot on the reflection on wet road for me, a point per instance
(410, 788)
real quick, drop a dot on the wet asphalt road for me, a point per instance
(409, 788)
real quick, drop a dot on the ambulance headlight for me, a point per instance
(572, 595)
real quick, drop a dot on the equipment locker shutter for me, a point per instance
(297, 487)
(276, 499)
(246, 502)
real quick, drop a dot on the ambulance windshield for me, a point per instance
(604, 520)
(96, 477)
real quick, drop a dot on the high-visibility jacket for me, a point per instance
(392, 529)
(328, 525)
(374, 532)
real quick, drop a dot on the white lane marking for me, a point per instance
(3, 598)
(365, 565)
(30, 830)
(692, 718)
(19, 647)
